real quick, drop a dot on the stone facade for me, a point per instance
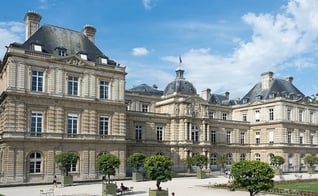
(58, 100)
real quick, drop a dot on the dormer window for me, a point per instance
(37, 47)
(103, 60)
(61, 51)
(83, 56)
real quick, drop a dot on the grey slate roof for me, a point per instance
(145, 89)
(53, 37)
(278, 88)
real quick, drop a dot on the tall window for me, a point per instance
(271, 137)
(301, 137)
(257, 157)
(36, 123)
(271, 114)
(138, 133)
(72, 85)
(213, 136)
(213, 158)
(242, 138)
(229, 158)
(289, 137)
(300, 115)
(103, 125)
(195, 133)
(159, 133)
(257, 115)
(242, 157)
(257, 138)
(145, 107)
(37, 81)
(228, 137)
(72, 167)
(289, 113)
(311, 117)
(72, 124)
(312, 136)
(290, 160)
(302, 160)
(224, 116)
(103, 89)
(35, 160)
(244, 117)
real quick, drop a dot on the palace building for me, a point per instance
(59, 92)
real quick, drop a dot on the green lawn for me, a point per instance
(311, 186)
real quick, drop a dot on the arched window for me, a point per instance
(257, 157)
(213, 159)
(35, 160)
(229, 158)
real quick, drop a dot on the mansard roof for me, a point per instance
(145, 89)
(52, 38)
(278, 88)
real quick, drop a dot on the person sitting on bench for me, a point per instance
(123, 188)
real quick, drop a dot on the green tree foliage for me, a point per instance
(136, 160)
(221, 160)
(277, 161)
(314, 98)
(107, 165)
(188, 162)
(159, 168)
(255, 176)
(199, 160)
(311, 160)
(64, 161)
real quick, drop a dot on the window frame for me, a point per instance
(37, 81)
(72, 85)
(36, 127)
(35, 163)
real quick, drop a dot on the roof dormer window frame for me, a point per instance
(61, 51)
(37, 47)
(103, 60)
(83, 56)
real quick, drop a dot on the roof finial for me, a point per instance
(180, 60)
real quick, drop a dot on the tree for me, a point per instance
(255, 176)
(221, 161)
(314, 98)
(277, 161)
(159, 168)
(107, 164)
(188, 162)
(136, 161)
(311, 160)
(200, 161)
(64, 161)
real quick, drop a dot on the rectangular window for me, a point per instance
(159, 133)
(103, 125)
(72, 124)
(103, 60)
(35, 162)
(242, 138)
(83, 56)
(257, 116)
(72, 167)
(244, 117)
(213, 137)
(145, 107)
(62, 52)
(195, 133)
(300, 115)
(103, 89)
(289, 113)
(211, 114)
(312, 136)
(72, 86)
(257, 138)
(224, 116)
(301, 137)
(138, 133)
(228, 137)
(271, 137)
(271, 114)
(289, 137)
(37, 81)
(311, 117)
(37, 48)
(36, 123)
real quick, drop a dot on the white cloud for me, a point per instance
(140, 51)
(10, 32)
(279, 41)
(148, 4)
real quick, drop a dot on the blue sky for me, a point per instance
(224, 45)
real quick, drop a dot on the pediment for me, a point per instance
(72, 60)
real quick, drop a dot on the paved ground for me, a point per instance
(188, 186)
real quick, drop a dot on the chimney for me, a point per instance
(289, 79)
(227, 94)
(89, 31)
(206, 94)
(32, 23)
(267, 78)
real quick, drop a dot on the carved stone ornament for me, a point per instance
(74, 61)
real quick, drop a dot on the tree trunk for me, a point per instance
(158, 185)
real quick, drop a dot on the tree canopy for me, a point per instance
(64, 161)
(199, 160)
(107, 164)
(277, 161)
(136, 160)
(311, 160)
(159, 168)
(255, 176)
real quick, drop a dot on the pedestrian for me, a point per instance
(55, 181)
(172, 194)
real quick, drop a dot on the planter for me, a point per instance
(66, 180)
(311, 170)
(158, 193)
(201, 174)
(108, 189)
(137, 176)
